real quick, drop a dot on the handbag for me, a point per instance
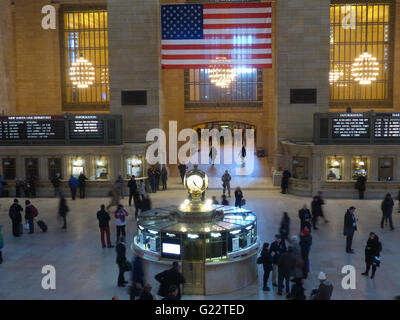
(243, 202)
(127, 266)
(376, 261)
(26, 226)
(259, 260)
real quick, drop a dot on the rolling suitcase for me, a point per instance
(42, 225)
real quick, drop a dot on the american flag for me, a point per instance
(195, 36)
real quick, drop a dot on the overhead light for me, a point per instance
(193, 236)
(361, 163)
(207, 229)
(100, 163)
(183, 229)
(215, 234)
(171, 235)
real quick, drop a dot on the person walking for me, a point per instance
(63, 210)
(73, 184)
(324, 290)
(213, 155)
(182, 170)
(121, 261)
(350, 226)
(119, 184)
(295, 244)
(132, 186)
(372, 254)
(1, 243)
(276, 249)
(286, 175)
(286, 266)
(305, 245)
(360, 185)
(114, 200)
(238, 197)
(168, 278)
(104, 224)
(30, 214)
(387, 210)
(56, 182)
(284, 229)
(120, 220)
(82, 185)
(243, 154)
(137, 276)
(226, 183)
(316, 211)
(305, 217)
(266, 261)
(16, 218)
(164, 177)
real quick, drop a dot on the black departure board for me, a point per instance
(61, 130)
(350, 127)
(86, 127)
(32, 128)
(387, 126)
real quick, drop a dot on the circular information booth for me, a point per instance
(216, 245)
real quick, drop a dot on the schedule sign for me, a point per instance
(387, 126)
(86, 127)
(350, 126)
(32, 128)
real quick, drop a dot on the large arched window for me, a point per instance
(358, 27)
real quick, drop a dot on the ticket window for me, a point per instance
(334, 168)
(9, 169)
(134, 166)
(102, 168)
(300, 168)
(78, 167)
(31, 168)
(385, 169)
(359, 166)
(55, 168)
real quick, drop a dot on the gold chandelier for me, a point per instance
(82, 73)
(221, 73)
(365, 68)
(335, 74)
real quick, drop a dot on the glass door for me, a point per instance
(193, 266)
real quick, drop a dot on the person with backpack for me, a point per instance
(266, 260)
(120, 220)
(16, 218)
(372, 254)
(30, 214)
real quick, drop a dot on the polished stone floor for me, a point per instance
(86, 271)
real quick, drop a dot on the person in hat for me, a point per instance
(325, 289)
(276, 249)
(350, 226)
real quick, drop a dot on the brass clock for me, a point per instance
(196, 182)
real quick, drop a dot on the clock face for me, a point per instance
(195, 183)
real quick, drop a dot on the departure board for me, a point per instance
(32, 128)
(86, 127)
(61, 130)
(387, 126)
(351, 126)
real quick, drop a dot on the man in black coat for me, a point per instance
(132, 186)
(286, 265)
(387, 210)
(305, 217)
(316, 210)
(360, 186)
(104, 219)
(276, 249)
(350, 225)
(82, 185)
(121, 260)
(285, 180)
(182, 170)
(266, 260)
(16, 218)
(168, 278)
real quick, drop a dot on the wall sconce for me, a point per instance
(77, 162)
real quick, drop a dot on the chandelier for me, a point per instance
(335, 74)
(82, 73)
(221, 73)
(365, 68)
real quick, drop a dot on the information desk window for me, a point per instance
(31, 167)
(359, 165)
(334, 169)
(78, 167)
(216, 246)
(385, 169)
(55, 168)
(134, 167)
(300, 168)
(149, 240)
(9, 169)
(102, 168)
(237, 240)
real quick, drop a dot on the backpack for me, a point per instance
(34, 212)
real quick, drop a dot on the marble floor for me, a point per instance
(86, 271)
